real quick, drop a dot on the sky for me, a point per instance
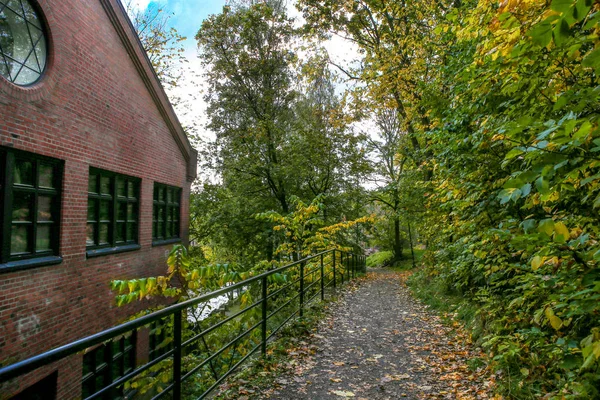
(186, 17)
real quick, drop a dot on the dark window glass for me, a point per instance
(112, 209)
(165, 215)
(30, 200)
(107, 363)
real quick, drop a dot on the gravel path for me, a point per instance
(380, 343)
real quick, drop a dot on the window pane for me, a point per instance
(103, 234)
(41, 52)
(93, 183)
(131, 189)
(31, 15)
(26, 76)
(104, 185)
(116, 369)
(161, 194)
(120, 186)
(99, 355)
(121, 211)
(44, 208)
(89, 241)
(116, 347)
(92, 208)
(16, 25)
(131, 212)
(129, 361)
(23, 174)
(131, 231)
(86, 365)
(46, 176)
(20, 239)
(120, 234)
(169, 195)
(104, 211)
(22, 210)
(42, 241)
(100, 382)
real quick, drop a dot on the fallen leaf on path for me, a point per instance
(343, 393)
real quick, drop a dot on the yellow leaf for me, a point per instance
(596, 349)
(554, 320)
(561, 229)
(537, 262)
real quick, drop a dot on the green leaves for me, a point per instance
(592, 59)
(562, 6)
(542, 33)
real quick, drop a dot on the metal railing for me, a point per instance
(283, 294)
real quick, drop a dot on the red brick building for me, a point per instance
(95, 176)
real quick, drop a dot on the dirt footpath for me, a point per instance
(381, 343)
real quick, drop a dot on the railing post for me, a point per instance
(177, 355)
(342, 265)
(348, 265)
(301, 289)
(263, 346)
(322, 280)
(334, 277)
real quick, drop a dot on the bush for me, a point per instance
(382, 258)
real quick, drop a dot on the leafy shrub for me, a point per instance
(380, 259)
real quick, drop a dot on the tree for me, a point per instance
(281, 132)
(164, 47)
(246, 52)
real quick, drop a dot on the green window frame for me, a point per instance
(113, 212)
(166, 214)
(30, 207)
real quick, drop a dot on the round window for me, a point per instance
(22, 42)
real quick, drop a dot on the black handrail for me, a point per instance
(340, 268)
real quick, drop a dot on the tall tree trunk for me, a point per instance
(397, 240)
(412, 250)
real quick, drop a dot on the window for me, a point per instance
(30, 203)
(165, 221)
(22, 42)
(159, 341)
(113, 212)
(106, 363)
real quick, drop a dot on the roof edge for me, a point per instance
(126, 31)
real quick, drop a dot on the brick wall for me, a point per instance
(92, 108)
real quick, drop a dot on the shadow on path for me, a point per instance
(380, 343)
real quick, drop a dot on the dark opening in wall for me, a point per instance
(45, 389)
